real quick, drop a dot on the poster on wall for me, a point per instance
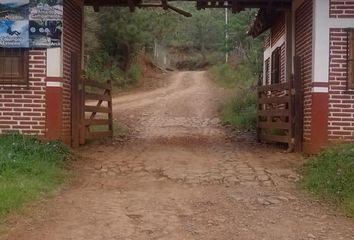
(14, 9)
(14, 34)
(45, 34)
(46, 10)
(31, 23)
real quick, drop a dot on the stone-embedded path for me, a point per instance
(181, 176)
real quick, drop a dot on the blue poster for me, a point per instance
(14, 9)
(14, 34)
(45, 34)
(31, 23)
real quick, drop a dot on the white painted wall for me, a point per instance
(320, 41)
(268, 54)
(322, 24)
(295, 5)
(54, 62)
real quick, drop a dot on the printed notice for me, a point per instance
(45, 34)
(46, 10)
(14, 34)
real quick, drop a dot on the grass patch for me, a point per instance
(242, 76)
(240, 111)
(28, 170)
(330, 175)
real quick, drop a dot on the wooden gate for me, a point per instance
(77, 102)
(98, 116)
(280, 111)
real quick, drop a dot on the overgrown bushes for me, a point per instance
(102, 67)
(330, 175)
(240, 111)
(28, 169)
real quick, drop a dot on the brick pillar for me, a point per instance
(54, 94)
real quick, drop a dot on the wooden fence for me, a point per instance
(98, 120)
(275, 113)
(280, 111)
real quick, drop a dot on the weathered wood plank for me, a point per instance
(276, 100)
(89, 122)
(274, 87)
(274, 113)
(275, 125)
(96, 109)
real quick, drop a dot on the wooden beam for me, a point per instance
(164, 4)
(236, 7)
(96, 8)
(131, 5)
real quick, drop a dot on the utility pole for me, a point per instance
(226, 37)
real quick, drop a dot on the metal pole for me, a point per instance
(226, 37)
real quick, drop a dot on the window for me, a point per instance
(275, 68)
(13, 66)
(267, 68)
(351, 58)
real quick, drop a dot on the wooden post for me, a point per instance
(258, 129)
(82, 112)
(110, 114)
(291, 119)
(75, 101)
(299, 106)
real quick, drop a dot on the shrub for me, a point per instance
(101, 67)
(133, 74)
(242, 76)
(28, 169)
(330, 175)
(240, 112)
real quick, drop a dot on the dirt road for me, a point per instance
(181, 176)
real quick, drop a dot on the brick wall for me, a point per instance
(341, 101)
(267, 41)
(341, 9)
(303, 49)
(72, 37)
(278, 30)
(22, 108)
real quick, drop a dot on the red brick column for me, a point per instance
(54, 101)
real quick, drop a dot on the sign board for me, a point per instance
(48, 10)
(45, 34)
(31, 23)
(14, 9)
(14, 34)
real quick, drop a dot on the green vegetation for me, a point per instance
(28, 170)
(330, 175)
(116, 39)
(239, 111)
